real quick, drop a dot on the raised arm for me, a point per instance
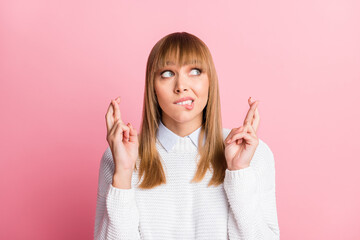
(117, 215)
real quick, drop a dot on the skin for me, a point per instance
(175, 83)
(241, 143)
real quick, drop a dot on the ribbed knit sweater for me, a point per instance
(242, 207)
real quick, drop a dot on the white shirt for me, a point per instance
(242, 207)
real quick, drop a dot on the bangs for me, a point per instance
(181, 51)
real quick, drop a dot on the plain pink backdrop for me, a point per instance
(62, 61)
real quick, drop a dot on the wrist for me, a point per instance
(122, 180)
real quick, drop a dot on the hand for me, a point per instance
(122, 139)
(241, 143)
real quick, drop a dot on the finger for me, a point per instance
(250, 113)
(133, 133)
(233, 132)
(117, 114)
(126, 132)
(237, 136)
(250, 130)
(251, 101)
(256, 118)
(246, 129)
(109, 118)
(240, 137)
(122, 130)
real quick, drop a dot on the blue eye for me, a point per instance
(165, 72)
(197, 69)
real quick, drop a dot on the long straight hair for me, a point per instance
(182, 48)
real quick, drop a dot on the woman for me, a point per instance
(184, 176)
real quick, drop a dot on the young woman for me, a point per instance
(184, 176)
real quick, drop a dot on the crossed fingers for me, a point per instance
(250, 124)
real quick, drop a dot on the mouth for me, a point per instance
(188, 104)
(183, 99)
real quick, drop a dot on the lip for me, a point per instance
(183, 99)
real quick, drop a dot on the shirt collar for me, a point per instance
(168, 138)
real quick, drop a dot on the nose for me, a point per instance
(180, 85)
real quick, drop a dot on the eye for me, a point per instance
(165, 72)
(199, 70)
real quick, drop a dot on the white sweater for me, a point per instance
(243, 207)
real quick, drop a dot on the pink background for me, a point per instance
(62, 61)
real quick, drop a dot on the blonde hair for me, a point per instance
(182, 48)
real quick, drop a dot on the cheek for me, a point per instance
(202, 89)
(162, 95)
(160, 92)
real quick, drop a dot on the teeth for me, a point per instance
(188, 102)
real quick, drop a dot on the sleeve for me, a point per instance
(252, 199)
(117, 215)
